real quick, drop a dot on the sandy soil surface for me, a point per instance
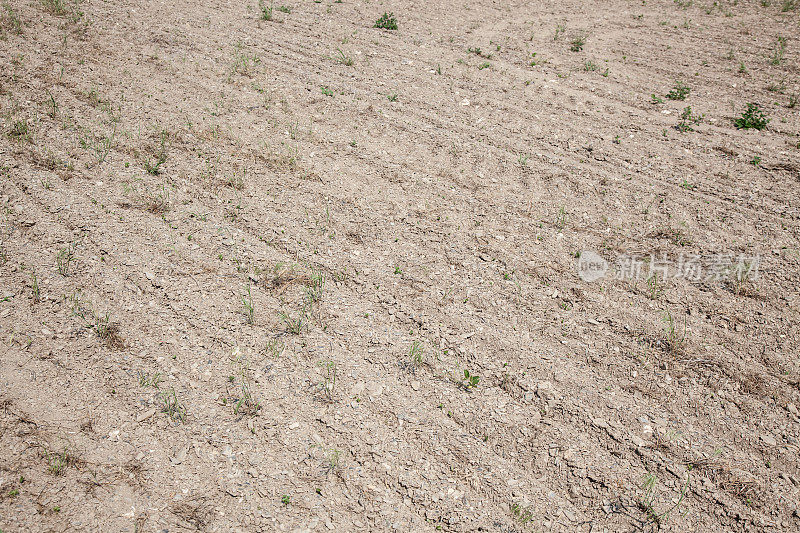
(271, 268)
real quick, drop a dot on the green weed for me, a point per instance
(171, 406)
(577, 43)
(753, 117)
(470, 380)
(386, 22)
(687, 119)
(679, 91)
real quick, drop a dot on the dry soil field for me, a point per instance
(273, 268)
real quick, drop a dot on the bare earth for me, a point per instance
(245, 264)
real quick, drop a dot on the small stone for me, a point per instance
(180, 456)
(545, 391)
(144, 415)
(415, 385)
(769, 440)
(374, 388)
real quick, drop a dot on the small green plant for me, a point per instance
(266, 11)
(35, 287)
(753, 117)
(150, 380)
(392, 97)
(329, 376)
(315, 286)
(333, 458)
(285, 500)
(274, 348)
(780, 50)
(55, 7)
(20, 130)
(154, 168)
(743, 274)
(756, 161)
(171, 406)
(789, 5)
(650, 487)
(246, 403)
(560, 30)
(679, 91)
(12, 20)
(470, 381)
(655, 99)
(793, 101)
(157, 202)
(294, 325)
(107, 331)
(64, 258)
(484, 65)
(326, 91)
(249, 307)
(343, 58)
(57, 463)
(687, 119)
(654, 288)
(674, 339)
(576, 45)
(521, 514)
(236, 179)
(561, 218)
(589, 66)
(284, 9)
(386, 22)
(416, 354)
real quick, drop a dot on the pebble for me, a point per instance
(545, 391)
(769, 440)
(374, 388)
(144, 415)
